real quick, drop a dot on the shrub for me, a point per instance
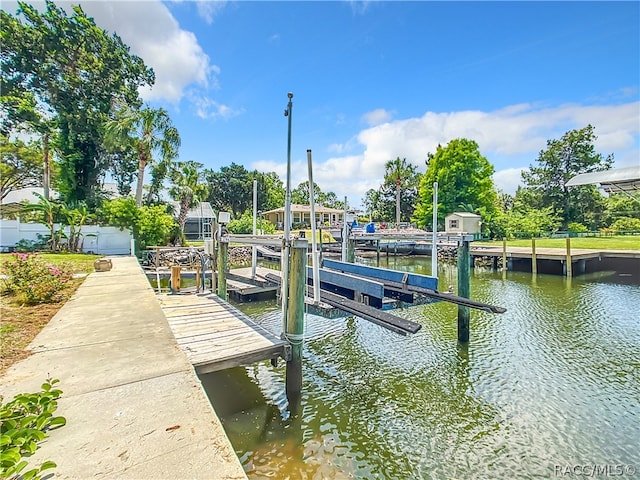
(577, 227)
(32, 280)
(625, 224)
(23, 423)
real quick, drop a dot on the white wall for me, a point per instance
(97, 239)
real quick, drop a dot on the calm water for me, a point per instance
(553, 382)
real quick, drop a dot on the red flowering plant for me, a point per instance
(32, 280)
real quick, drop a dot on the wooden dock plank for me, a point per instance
(215, 335)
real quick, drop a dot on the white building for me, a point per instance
(462, 222)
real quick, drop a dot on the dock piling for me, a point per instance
(223, 259)
(568, 261)
(464, 256)
(534, 260)
(295, 317)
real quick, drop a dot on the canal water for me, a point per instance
(550, 385)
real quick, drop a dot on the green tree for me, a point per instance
(271, 191)
(63, 73)
(188, 188)
(230, 189)
(148, 132)
(574, 153)
(20, 165)
(464, 178)
(401, 180)
(372, 204)
(149, 225)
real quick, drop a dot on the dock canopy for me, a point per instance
(611, 181)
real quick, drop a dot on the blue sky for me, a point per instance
(373, 81)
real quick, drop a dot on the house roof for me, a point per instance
(203, 210)
(611, 181)
(295, 207)
(465, 214)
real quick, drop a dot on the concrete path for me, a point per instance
(134, 407)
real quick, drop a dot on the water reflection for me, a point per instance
(555, 380)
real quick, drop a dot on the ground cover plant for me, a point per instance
(24, 422)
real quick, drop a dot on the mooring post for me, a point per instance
(463, 288)
(223, 258)
(534, 260)
(295, 319)
(175, 278)
(351, 250)
(504, 254)
(568, 261)
(378, 252)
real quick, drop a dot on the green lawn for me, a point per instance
(79, 262)
(622, 242)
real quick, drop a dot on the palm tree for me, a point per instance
(403, 174)
(148, 131)
(188, 188)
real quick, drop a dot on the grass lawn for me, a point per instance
(622, 242)
(21, 323)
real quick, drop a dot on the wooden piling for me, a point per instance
(223, 260)
(351, 250)
(504, 254)
(295, 316)
(534, 260)
(175, 278)
(568, 261)
(464, 260)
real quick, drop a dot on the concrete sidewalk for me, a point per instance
(134, 407)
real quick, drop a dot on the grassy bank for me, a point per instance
(21, 323)
(622, 242)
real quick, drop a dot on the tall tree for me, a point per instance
(271, 191)
(574, 153)
(149, 132)
(464, 178)
(188, 188)
(230, 189)
(401, 180)
(62, 73)
(20, 165)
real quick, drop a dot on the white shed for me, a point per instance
(462, 222)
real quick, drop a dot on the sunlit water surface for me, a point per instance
(553, 382)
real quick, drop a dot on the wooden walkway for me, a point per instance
(215, 335)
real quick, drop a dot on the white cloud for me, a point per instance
(174, 54)
(510, 138)
(208, 9)
(207, 108)
(376, 117)
(153, 34)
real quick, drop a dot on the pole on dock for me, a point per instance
(254, 249)
(351, 250)
(534, 259)
(464, 260)
(315, 257)
(434, 238)
(504, 254)
(345, 231)
(568, 261)
(286, 241)
(175, 278)
(223, 259)
(294, 333)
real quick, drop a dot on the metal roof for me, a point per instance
(611, 181)
(202, 210)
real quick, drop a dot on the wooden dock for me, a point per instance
(215, 335)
